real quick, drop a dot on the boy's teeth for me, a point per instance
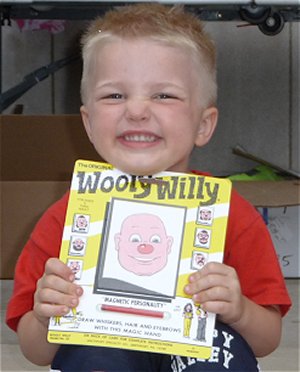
(139, 138)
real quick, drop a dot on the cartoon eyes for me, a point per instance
(136, 238)
(155, 239)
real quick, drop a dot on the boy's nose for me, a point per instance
(137, 109)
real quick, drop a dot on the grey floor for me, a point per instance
(285, 358)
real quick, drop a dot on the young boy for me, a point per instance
(149, 93)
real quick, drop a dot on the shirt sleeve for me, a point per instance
(250, 250)
(43, 243)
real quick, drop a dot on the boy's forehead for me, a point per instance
(107, 55)
(125, 46)
(148, 61)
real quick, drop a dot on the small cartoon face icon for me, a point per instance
(205, 214)
(74, 266)
(142, 244)
(81, 222)
(78, 244)
(203, 236)
(199, 259)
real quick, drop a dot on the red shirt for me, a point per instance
(249, 249)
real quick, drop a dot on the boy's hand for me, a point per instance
(217, 288)
(56, 293)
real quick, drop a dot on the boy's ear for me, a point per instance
(207, 126)
(86, 121)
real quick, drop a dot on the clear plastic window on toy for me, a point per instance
(140, 248)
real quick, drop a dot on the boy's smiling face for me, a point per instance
(143, 113)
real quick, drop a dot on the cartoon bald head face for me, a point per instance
(142, 244)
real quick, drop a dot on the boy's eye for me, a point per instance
(162, 96)
(114, 96)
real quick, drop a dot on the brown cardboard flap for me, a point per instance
(42, 148)
(270, 193)
(23, 203)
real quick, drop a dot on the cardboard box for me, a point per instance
(283, 224)
(42, 148)
(23, 203)
(270, 193)
(278, 202)
(37, 158)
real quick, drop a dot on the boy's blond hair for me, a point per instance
(170, 25)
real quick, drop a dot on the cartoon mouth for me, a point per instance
(144, 261)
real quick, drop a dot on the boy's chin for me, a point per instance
(147, 170)
(138, 170)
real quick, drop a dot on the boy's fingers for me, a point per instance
(213, 273)
(217, 307)
(59, 285)
(57, 267)
(212, 268)
(44, 311)
(217, 293)
(50, 296)
(215, 276)
(199, 284)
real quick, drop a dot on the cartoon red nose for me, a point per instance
(145, 248)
